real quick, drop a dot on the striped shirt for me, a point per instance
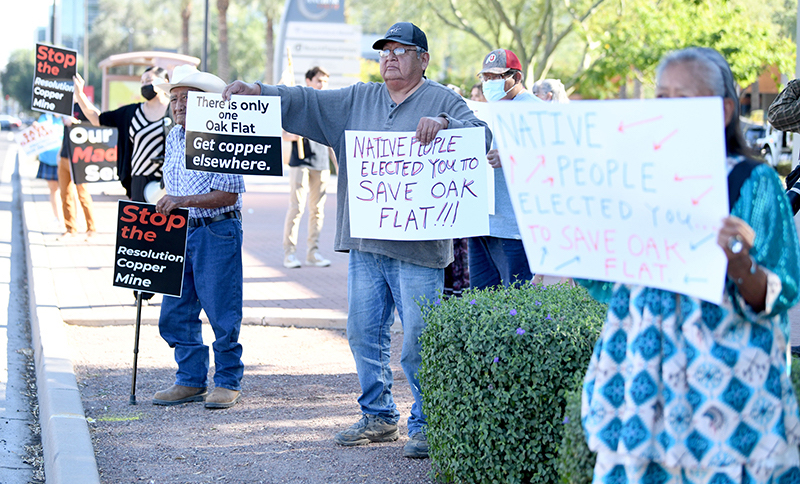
(147, 139)
(181, 182)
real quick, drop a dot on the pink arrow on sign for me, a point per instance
(657, 146)
(541, 164)
(623, 126)
(695, 201)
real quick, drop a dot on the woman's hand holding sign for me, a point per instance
(736, 238)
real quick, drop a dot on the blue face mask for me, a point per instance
(493, 89)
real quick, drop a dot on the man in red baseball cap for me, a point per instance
(502, 75)
(499, 258)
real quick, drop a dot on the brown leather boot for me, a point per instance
(222, 398)
(177, 394)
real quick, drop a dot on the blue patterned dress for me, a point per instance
(680, 390)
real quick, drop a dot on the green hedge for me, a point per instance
(575, 460)
(496, 367)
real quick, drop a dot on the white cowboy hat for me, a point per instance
(189, 76)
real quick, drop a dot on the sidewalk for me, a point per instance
(307, 297)
(72, 283)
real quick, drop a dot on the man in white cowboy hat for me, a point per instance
(383, 274)
(212, 278)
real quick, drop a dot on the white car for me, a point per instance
(774, 145)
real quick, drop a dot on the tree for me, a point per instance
(594, 46)
(630, 45)
(223, 65)
(17, 78)
(186, 15)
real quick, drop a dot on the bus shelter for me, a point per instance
(122, 89)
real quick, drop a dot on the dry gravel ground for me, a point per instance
(299, 388)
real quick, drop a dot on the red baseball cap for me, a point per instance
(500, 61)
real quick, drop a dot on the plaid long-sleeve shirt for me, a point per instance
(784, 112)
(182, 182)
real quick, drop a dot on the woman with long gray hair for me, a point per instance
(681, 390)
(551, 90)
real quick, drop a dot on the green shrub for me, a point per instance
(496, 367)
(575, 460)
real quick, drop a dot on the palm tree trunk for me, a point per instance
(223, 64)
(186, 13)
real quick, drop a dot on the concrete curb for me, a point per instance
(67, 446)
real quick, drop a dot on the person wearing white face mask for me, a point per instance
(499, 258)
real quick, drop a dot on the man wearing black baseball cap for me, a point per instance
(383, 274)
(404, 33)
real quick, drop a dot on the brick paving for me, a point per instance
(82, 268)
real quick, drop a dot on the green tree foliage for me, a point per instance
(594, 46)
(17, 78)
(631, 42)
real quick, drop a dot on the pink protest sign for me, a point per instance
(623, 191)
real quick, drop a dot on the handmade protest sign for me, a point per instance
(623, 191)
(39, 138)
(93, 152)
(151, 248)
(399, 189)
(240, 136)
(52, 82)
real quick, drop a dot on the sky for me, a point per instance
(19, 24)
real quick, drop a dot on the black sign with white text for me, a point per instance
(93, 152)
(52, 82)
(151, 248)
(234, 154)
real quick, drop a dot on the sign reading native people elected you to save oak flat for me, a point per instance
(623, 191)
(240, 136)
(399, 189)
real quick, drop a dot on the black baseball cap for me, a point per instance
(404, 33)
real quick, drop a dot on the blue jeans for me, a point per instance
(212, 281)
(494, 261)
(375, 285)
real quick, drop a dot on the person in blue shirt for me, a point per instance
(48, 166)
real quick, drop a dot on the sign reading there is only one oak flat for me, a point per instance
(241, 136)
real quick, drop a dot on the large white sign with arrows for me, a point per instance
(624, 191)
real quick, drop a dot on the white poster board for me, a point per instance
(399, 189)
(40, 137)
(623, 191)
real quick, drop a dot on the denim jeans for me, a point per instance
(212, 281)
(375, 285)
(494, 261)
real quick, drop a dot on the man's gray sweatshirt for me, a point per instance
(323, 116)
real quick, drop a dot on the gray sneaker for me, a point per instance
(369, 429)
(417, 446)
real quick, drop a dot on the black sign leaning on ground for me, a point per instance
(93, 152)
(239, 155)
(52, 80)
(151, 248)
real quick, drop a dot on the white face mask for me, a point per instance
(493, 90)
